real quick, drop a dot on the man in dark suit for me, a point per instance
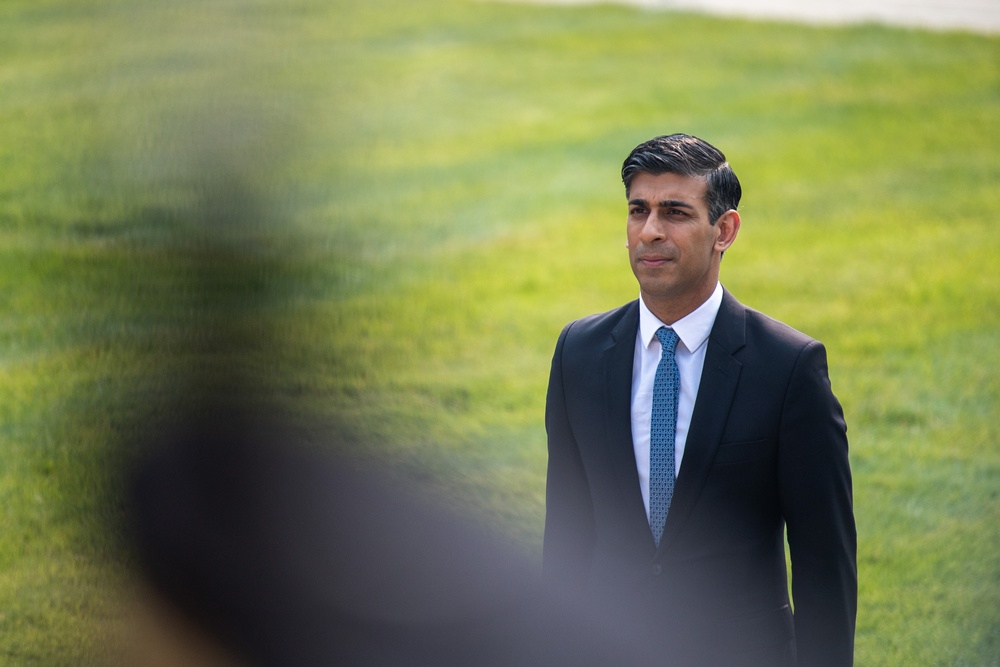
(686, 433)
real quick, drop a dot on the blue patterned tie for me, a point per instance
(662, 429)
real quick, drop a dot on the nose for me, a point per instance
(653, 229)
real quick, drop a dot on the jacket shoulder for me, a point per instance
(597, 328)
(760, 328)
(776, 329)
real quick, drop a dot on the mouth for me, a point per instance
(652, 261)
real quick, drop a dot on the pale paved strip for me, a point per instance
(982, 16)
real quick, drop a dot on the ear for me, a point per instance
(728, 225)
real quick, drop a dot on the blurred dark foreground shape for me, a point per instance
(267, 552)
(253, 544)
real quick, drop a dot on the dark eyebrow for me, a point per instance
(667, 203)
(675, 203)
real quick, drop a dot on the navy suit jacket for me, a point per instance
(766, 451)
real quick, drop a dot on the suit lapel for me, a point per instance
(617, 368)
(715, 395)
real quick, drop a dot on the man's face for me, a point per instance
(672, 245)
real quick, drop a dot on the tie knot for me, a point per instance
(668, 339)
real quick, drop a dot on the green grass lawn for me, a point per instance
(412, 199)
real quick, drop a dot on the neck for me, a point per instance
(669, 310)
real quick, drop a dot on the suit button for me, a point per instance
(657, 570)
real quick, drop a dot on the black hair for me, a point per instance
(689, 156)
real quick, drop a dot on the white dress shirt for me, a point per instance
(692, 330)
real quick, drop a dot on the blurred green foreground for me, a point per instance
(380, 214)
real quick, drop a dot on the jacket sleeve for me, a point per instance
(816, 499)
(569, 524)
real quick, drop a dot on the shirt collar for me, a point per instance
(692, 329)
